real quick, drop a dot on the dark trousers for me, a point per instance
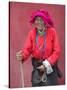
(51, 78)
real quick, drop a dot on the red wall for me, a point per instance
(19, 27)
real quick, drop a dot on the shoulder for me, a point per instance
(52, 31)
(32, 32)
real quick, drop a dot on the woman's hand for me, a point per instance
(19, 56)
(42, 68)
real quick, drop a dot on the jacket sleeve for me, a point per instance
(56, 50)
(27, 49)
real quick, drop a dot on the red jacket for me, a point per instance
(51, 51)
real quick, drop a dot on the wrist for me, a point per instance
(47, 66)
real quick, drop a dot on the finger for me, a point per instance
(20, 52)
(19, 58)
(18, 55)
(38, 67)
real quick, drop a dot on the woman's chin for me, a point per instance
(40, 28)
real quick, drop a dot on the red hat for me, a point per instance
(45, 16)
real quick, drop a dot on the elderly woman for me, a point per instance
(42, 42)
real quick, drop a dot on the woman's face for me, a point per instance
(39, 23)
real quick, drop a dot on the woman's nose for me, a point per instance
(39, 21)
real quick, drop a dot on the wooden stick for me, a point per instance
(22, 75)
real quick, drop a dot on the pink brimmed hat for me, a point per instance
(45, 16)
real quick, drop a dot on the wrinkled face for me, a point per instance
(39, 23)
